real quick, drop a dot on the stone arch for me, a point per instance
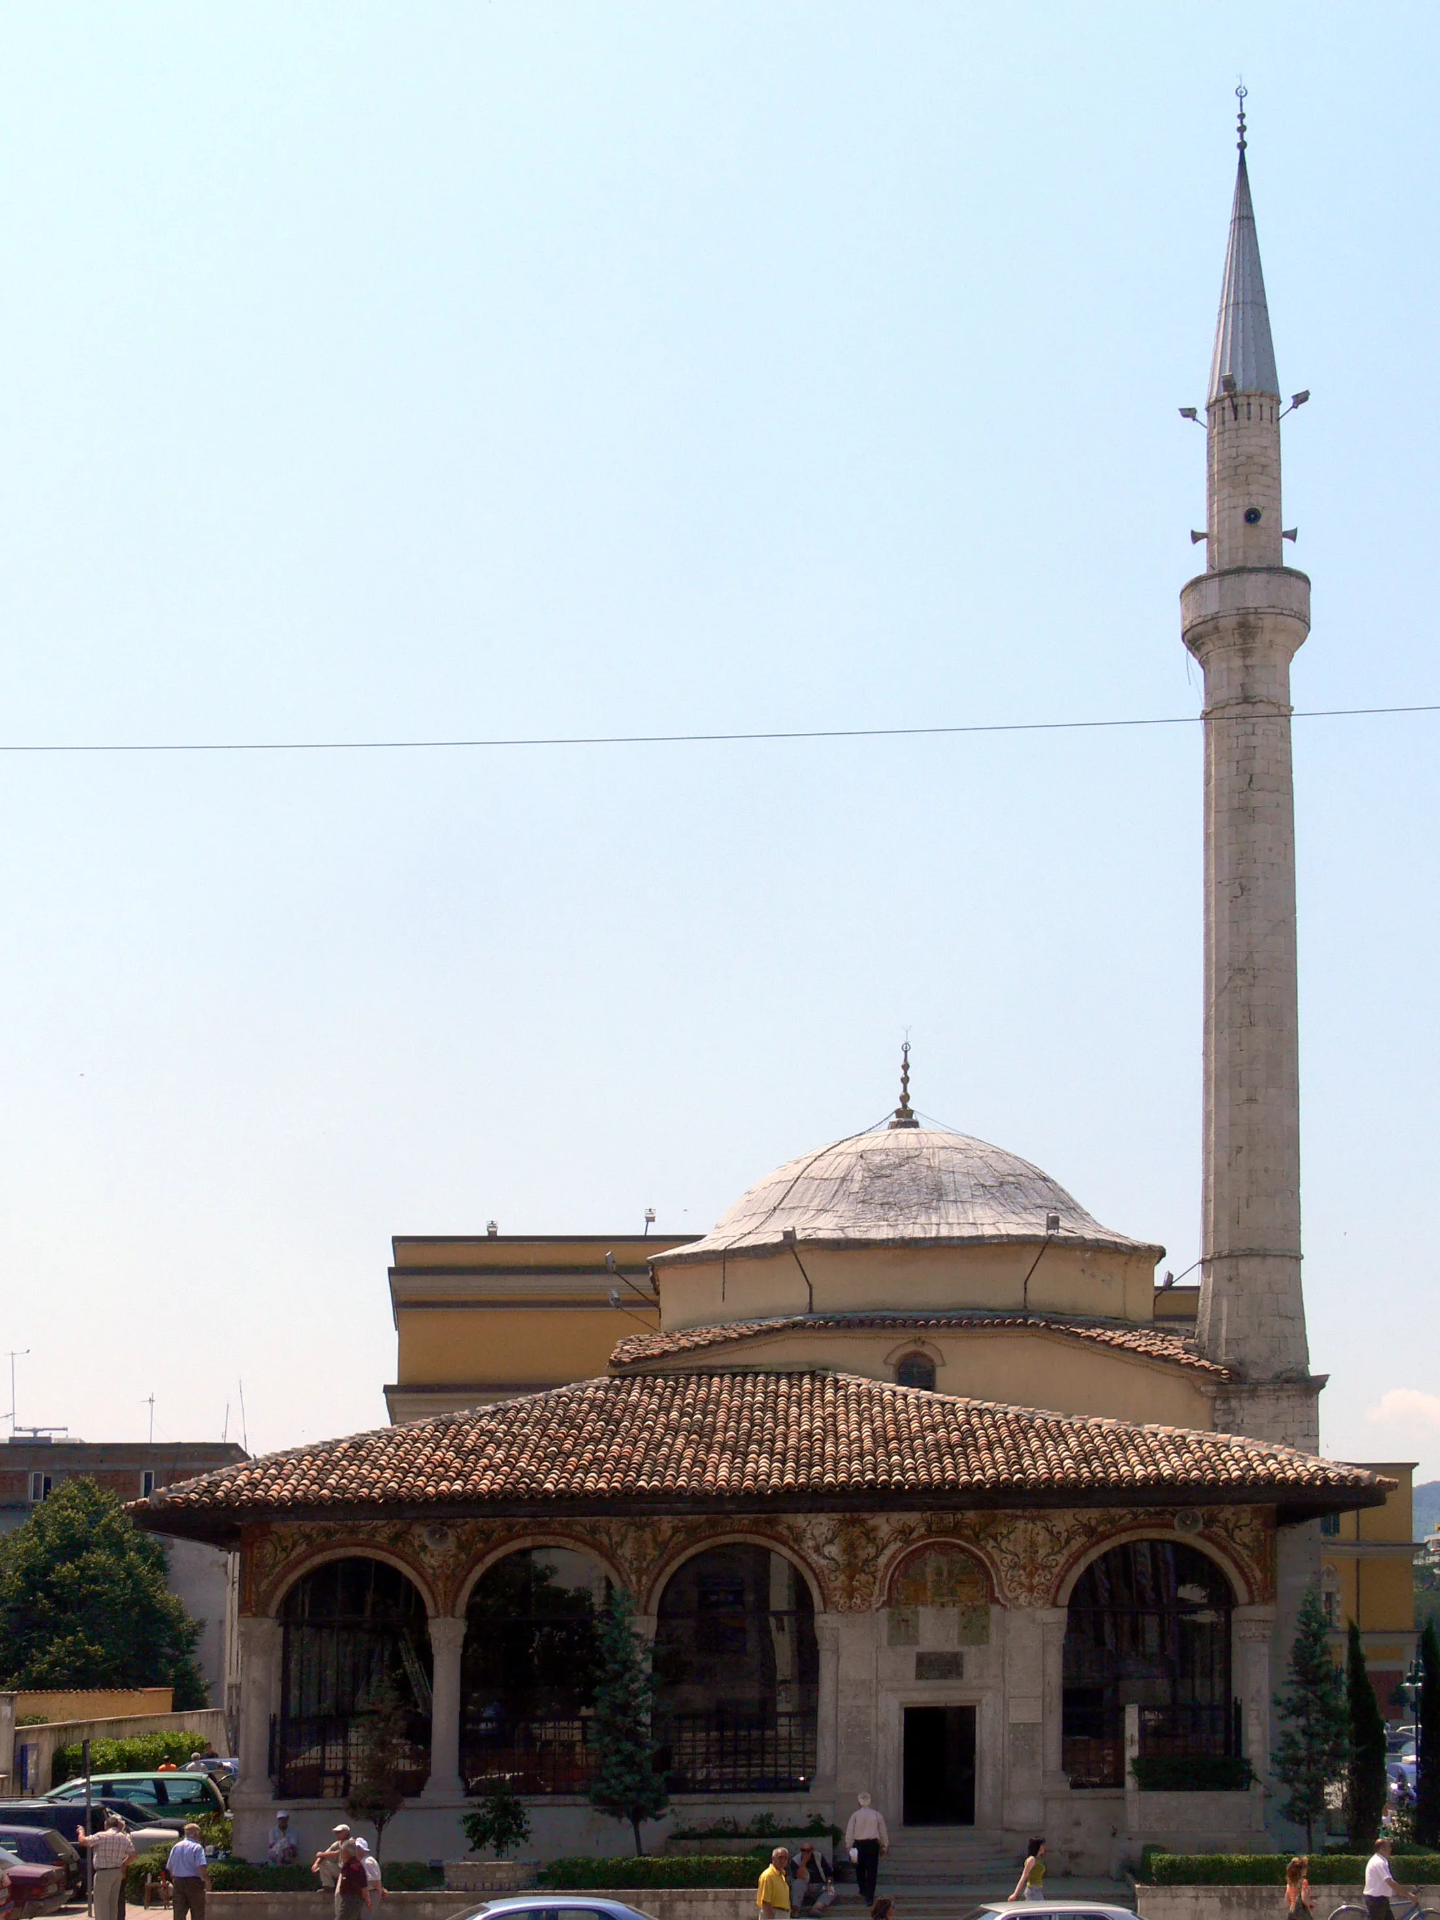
(466, 1582)
(737, 1665)
(1240, 1581)
(917, 1576)
(355, 1659)
(305, 1564)
(743, 1536)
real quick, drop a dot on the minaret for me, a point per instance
(1243, 619)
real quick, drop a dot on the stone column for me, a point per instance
(1052, 1724)
(447, 1642)
(1252, 1630)
(260, 1640)
(827, 1635)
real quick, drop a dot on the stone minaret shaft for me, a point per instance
(1243, 619)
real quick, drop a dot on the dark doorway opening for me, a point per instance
(939, 1766)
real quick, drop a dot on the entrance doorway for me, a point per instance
(939, 1766)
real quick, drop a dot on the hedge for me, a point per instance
(653, 1870)
(244, 1876)
(1268, 1869)
(142, 1754)
(764, 1826)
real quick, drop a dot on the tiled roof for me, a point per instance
(747, 1438)
(1155, 1343)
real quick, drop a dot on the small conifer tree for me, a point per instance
(1313, 1746)
(1367, 1786)
(625, 1784)
(1427, 1745)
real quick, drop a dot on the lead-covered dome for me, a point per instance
(903, 1186)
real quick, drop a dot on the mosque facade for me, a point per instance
(919, 1482)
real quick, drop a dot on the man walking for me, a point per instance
(772, 1895)
(1380, 1883)
(866, 1838)
(111, 1850)
(189, 1873)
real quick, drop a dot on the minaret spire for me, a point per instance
(1244, 357)
(1244, 619)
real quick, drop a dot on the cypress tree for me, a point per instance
(1367, 1785)
(1313, 1746)
(1427, 1745)
(625, 1784)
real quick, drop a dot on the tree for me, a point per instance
(625, 1784)
(500, 1821)
(384, 1742)
(83, 1602)
(1367, 1785)
(1427, 1746)
(1313, 1746)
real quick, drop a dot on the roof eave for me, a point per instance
(700, 1253)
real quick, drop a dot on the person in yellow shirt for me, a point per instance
(772, 1895)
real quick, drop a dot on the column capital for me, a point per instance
(1253, 1624)
(447, 1633)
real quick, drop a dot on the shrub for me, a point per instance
(1268, 1869)
(764, 1826)
(145, 1866)
(1207, 1773)
(411, 1876)
(652, 1870)
(142, 1754)
(500, 1821)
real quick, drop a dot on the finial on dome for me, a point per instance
(903, 1116)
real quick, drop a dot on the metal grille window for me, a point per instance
(528, 1673)
(737, 1670)
(1149, 1626)
(355, 1646)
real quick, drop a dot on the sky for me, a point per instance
(386, 372)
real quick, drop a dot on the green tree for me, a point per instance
(384, 1753)
(1313, 1746)
(83, 1602)
(1427, 1746)
(1367, 1786)
(500, 1821)
(625, 1784)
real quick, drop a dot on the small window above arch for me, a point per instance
(915, 1370)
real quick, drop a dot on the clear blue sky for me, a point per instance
(523, 368)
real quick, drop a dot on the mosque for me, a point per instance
(919, 1480)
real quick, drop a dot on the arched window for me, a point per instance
(527, 1676)
(354, 1672)
(916, 1370)
(738, 1669)
(1148, 1627)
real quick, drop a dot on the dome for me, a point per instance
(902, 1186)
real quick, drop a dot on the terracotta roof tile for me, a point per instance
(1155, 1343)
(728, 1437)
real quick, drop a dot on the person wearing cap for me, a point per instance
(283, 1849)
(352, 1889)
(374, 1877)
(810, 1879)
(189, 1873)
(112, 1850)
(327, 1864)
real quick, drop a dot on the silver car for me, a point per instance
(541, 1904)
(1059, 1909)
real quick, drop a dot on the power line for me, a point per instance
(663, 739)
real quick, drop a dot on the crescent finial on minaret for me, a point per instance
(903, 1116)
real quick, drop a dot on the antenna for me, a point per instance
(18, 1353)
(225, 1430)
(244, 1430)
(151, 1404)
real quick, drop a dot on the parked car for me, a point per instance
(541, 1906)
(68, 1819)
(170, 1798)
(32, 1890)
(45, 1847)
(1059, 1909)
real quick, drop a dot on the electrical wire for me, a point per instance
(664, 739)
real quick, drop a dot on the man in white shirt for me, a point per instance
(189, 1873)
(1380, 1883)
(112, 1850)
(373, 1876)
(283, 1847)
(866, 1838)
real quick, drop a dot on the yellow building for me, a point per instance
(1368, 1575)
